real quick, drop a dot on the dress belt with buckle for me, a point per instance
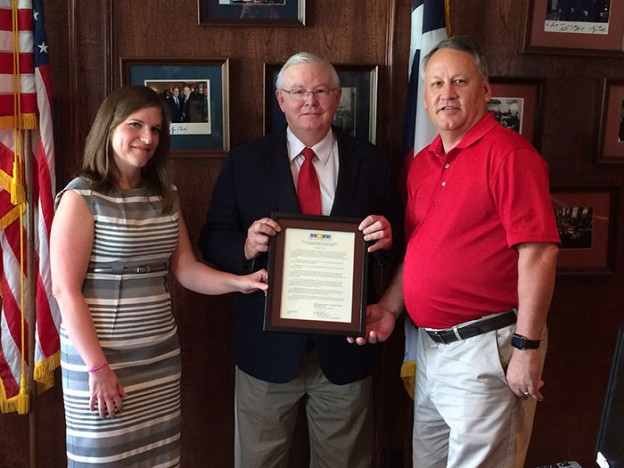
(473, 328)
(132, 270)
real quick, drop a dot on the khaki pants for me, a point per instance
(465, 415)
(339, 419)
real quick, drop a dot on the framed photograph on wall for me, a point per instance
(585, 218)
(252, 12)
(196, 93)
(516, 104)
(574, 27)
(611, 132)
(357, 112)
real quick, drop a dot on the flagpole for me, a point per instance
(30, 299)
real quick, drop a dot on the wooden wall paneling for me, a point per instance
(14, 430)
(85, 78)
(205, 330)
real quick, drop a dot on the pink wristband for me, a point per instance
(97, 368)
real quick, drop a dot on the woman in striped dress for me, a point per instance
(118, 230)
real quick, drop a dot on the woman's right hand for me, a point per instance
(253, 282)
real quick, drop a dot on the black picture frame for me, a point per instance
(271, 13)
(206, 133)
(313, 261)
(357, 114)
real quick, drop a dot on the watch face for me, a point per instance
(521, 342)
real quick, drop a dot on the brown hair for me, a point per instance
(98, 164)
(463, 44)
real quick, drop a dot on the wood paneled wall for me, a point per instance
(86, 41)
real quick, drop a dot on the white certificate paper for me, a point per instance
(318, 275)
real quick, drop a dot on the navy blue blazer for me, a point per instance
(256, 180)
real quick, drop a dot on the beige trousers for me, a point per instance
(465, 415)
(339, 419)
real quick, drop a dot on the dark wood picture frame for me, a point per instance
(611, 131)
(521, 95)
(206, 131)
(357, 114)
(586, 222)
(290, 13)
(315, 277)
(574, 33)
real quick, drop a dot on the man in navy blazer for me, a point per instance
(277, 371)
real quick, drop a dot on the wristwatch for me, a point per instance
(521, 342)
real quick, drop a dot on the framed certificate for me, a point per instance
(317, 276)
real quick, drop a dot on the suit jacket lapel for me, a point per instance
(350, 163)
(282, 185)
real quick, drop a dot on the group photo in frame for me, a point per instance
(196, 93)
(585, 220)
(575, 27)
(317, 276)
(611, 132)
(516, 104)
(252, 12)
(357, 113)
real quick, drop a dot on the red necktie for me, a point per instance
(308, 188)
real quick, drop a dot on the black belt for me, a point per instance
(136, 270)
(473, 328)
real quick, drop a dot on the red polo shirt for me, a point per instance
(466, 210)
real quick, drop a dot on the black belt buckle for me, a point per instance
(439, 336)
(142, 269)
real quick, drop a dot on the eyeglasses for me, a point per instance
(300, 94)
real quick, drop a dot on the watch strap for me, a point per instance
(522, 342)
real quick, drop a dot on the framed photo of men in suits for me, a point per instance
(195, 92)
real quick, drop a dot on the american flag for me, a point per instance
(25, 114)
(428, 28)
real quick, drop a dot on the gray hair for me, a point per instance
(463, 44)
(306, 57)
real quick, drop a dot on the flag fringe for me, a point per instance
(25, 122)
(44, 371)
(19, 403)
(408, 374)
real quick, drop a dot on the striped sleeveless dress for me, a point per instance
(130, 305)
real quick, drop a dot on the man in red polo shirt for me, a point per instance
(478, 273)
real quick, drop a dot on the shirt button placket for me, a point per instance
(446, 166)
